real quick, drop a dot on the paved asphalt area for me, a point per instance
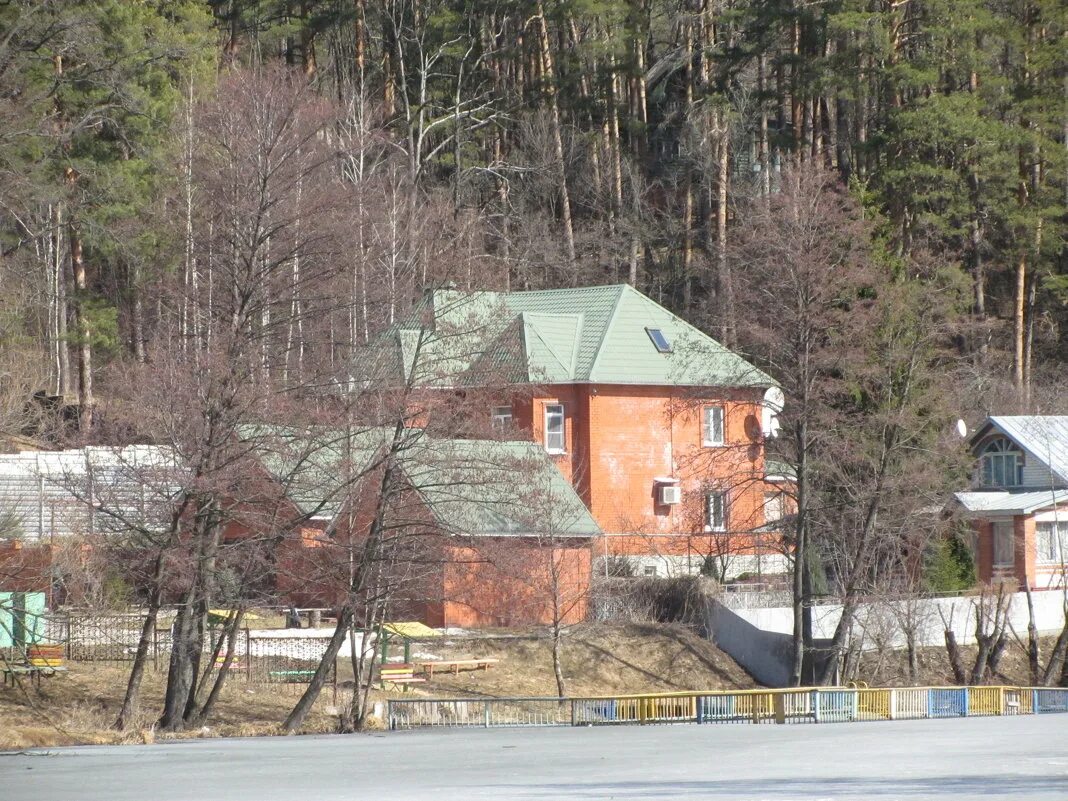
(976, 758)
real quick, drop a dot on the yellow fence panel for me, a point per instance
(758, 706)
(986, 700)
(873, 704)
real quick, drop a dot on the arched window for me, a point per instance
(1002, 464)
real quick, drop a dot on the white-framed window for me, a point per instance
(501, 416)
(649, 570)
(555, 431)
(1001, 464)
(712, 426)
(716, 511)
(1004, 545)
(773, 507)
(1051, 540)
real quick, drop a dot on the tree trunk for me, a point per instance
(1018, 328)
(955, 661)
(81, 323)
(1034, 654)
(181, 672)
(557, 134)
(1057, 661)
(723, 267)
(137, 670)
(224, 669)
(360, 577)
(137, 332)
(62, 308)
(800, 558)
(558, 668)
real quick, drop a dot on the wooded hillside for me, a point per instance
(383, 146)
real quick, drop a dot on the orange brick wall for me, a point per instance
(1025, 568)
(509, 582)
(620, 438)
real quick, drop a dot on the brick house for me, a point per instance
(1018, 505)
(481, 533)
(659, 428)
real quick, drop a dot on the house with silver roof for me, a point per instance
(1018, 504)
(658, 427)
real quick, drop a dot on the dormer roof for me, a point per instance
(1043, 438)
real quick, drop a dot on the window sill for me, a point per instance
(711, 530)
(552, 452)
(713, 444)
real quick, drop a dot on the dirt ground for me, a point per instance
(80, 705)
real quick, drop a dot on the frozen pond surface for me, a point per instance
(977, 758)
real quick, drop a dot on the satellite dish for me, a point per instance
(962, 429)
(771, 405)
(774, 399)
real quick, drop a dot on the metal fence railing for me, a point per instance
(261, 656)
(800, 705)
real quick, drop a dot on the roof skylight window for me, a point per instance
(661, 342)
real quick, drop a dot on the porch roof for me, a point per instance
(1002, 502)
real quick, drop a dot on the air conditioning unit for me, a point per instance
(670, 494)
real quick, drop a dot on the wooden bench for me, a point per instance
(45, 656)
(236, 665)
(41, 660)
(398, 673)
(456, 665)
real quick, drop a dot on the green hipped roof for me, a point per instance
(479, 487)
(558, 336)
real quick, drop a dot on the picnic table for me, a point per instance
(456, 665)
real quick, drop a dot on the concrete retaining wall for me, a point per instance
(883, 625)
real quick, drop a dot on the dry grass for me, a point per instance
(80, 706)
(597, 659)
(890, 668)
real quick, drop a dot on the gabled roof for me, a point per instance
(478, 487)
(585, 335)
(1043, 437)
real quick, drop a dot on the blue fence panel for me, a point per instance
(595, 711)
(946, 702)
(715, 709)
(835, 706)
(1050, 700)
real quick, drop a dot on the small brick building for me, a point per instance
(476, 533)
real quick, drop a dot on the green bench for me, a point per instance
(291, 676)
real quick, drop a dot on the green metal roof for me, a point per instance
(479, 487)
(559, 336)
(487, 487)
